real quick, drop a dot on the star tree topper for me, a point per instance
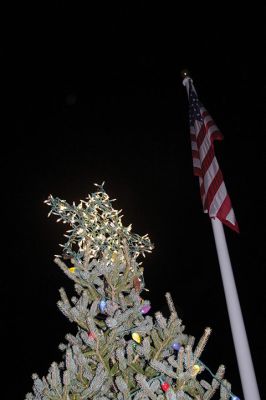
(96, 222)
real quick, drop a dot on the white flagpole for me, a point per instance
(244, 360)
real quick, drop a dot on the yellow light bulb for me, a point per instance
(72, 270)
(136, 337)
(195, 370)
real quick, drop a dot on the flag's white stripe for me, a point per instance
(210, 174)
(204, 148)
(217, 200)
(192, 130)
(212, 129)
(207, 119)
(194, 145)
(196, 163)
(231, 217)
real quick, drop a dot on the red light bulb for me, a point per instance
(165, 386)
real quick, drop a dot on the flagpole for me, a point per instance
(244, 360)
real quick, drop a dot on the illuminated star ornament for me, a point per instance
(95, 223)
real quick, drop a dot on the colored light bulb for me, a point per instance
(91, 335)
(145, 309)
(136, 337)
(195, 369)
(72, 270)
(102, 305)
(176, 346)
(136, 283)
(165, 386)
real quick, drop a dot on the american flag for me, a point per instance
(203, 131)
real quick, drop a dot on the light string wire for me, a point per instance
(218, 380)
(160, 376)
(201, 362)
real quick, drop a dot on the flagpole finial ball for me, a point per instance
(185, 73)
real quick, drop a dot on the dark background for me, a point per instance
(94, 93)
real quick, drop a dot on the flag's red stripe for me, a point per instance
(201, 136)
(230, 225)
(208, 159)
(225, 208)
(216, 135)
(209, 124)
(224, 211)
(197, 171)
(213, 188)
(195, 154)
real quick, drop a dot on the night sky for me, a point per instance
(95, 94)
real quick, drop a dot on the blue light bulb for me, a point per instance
(102, 305)
(176, 346)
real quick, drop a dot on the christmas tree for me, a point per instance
(119, 351)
